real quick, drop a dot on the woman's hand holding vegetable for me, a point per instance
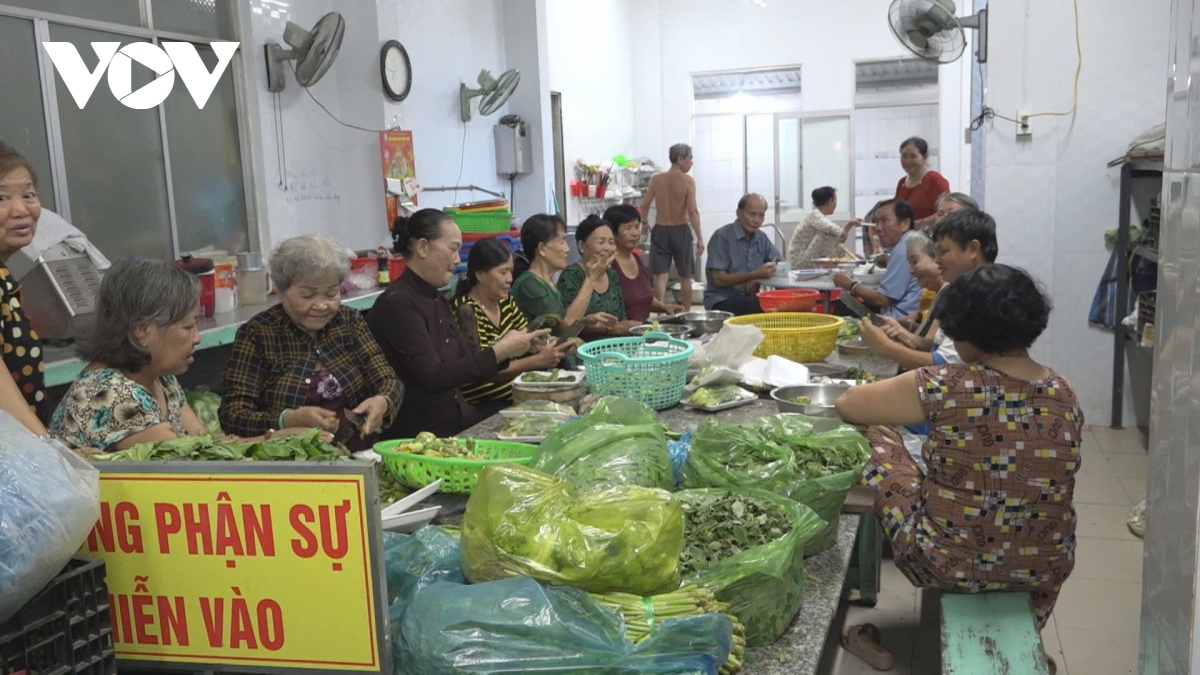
(325, 436)
(310, 417)
(374, 408)
(873, 336)
(546, 359)
(601, 321)
(516, 343)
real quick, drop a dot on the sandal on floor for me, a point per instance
(864, 642)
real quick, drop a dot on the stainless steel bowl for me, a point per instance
(853, 348)
(697, 293)
(705, 322)
(821, 399)
(674, 330)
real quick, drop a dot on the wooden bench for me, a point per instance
(990, 634)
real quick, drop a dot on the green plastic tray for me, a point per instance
(458, 475)
(485, 222)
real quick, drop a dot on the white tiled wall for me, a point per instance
(1053, 197)
(878, 133)
(720, 158)
(1169, 641)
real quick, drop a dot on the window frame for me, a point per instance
(244, 102)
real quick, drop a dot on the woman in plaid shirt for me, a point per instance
(308, 361)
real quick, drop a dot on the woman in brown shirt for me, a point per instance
(993, 511)
(416, 328)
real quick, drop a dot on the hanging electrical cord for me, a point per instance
(331, 115)
(461, 160)
(1078, 70)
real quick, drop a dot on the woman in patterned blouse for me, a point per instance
(309, 359)
(145, 335)
(485, 312)
(597, 245)
(994, 510)
(23, 391)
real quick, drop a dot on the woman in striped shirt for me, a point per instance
(485, 312)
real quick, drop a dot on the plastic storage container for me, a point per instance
(66, 628)
(651, 369)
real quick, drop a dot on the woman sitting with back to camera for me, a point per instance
(994, 512)
(145, 336)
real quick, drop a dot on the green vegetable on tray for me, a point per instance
(299, 447)
(428, 445)
(551, 377)
(862, 376)
(802, 400)
(711, 397)
(527, 426)
(722, 525)
(543, 407)
(848, 331)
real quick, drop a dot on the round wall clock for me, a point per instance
(396, 70)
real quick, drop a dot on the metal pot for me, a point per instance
(702, 322)
(821, 399)
(697, 293)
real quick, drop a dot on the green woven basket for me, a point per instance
(484, 222)
(650, 369)
(458, 475)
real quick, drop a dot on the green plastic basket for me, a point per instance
(458, 475)
(483, 222)
(650, 369)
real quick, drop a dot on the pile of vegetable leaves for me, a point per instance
(300, 447)
(816, 454)
(722, 525)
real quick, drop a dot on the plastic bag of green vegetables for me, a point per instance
(523, 522)
(747, 546)
(617, 443)
(519, 626)
(729, 455)
(827, 465)
(205, 405)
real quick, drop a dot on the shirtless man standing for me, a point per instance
(674, 193)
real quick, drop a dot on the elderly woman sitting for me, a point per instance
(308, 361)
(993, 510)
(145, 335)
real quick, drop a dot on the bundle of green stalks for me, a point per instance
(642, 614)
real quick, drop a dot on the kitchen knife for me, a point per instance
(860, 310)
(571, 331)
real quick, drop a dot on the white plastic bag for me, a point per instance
(734, 345)
(49, 501)
(714, 377)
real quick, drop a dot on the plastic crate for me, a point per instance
(482, 222)
(513, 243)
(458, 475)
(66, 628)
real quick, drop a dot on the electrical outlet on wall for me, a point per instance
(1024, 130)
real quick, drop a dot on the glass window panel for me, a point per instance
(792, 205)
(114, 161)
(117, 11)
(208, 18)
(827, 160)
(760, 158)
(22, 116)
(206, 167)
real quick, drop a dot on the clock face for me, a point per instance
(396, 71)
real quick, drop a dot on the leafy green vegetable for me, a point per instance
(552, 376)
(306, 446)
(849, 330)
(205, 404)
(528, 426)
(391, 490)
(617, 443)
(711, 397)
(735, 552)
(721, 525)
(543, 407)
(523, 522)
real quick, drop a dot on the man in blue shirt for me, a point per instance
(899, 294)
(739, 255)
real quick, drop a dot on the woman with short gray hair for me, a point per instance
(145, 335)
(309, 361)
(951, 202)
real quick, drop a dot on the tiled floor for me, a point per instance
(1094, 628)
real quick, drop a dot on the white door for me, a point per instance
(811, 150)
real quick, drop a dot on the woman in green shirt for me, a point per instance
(598, 246)
(545, 251)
